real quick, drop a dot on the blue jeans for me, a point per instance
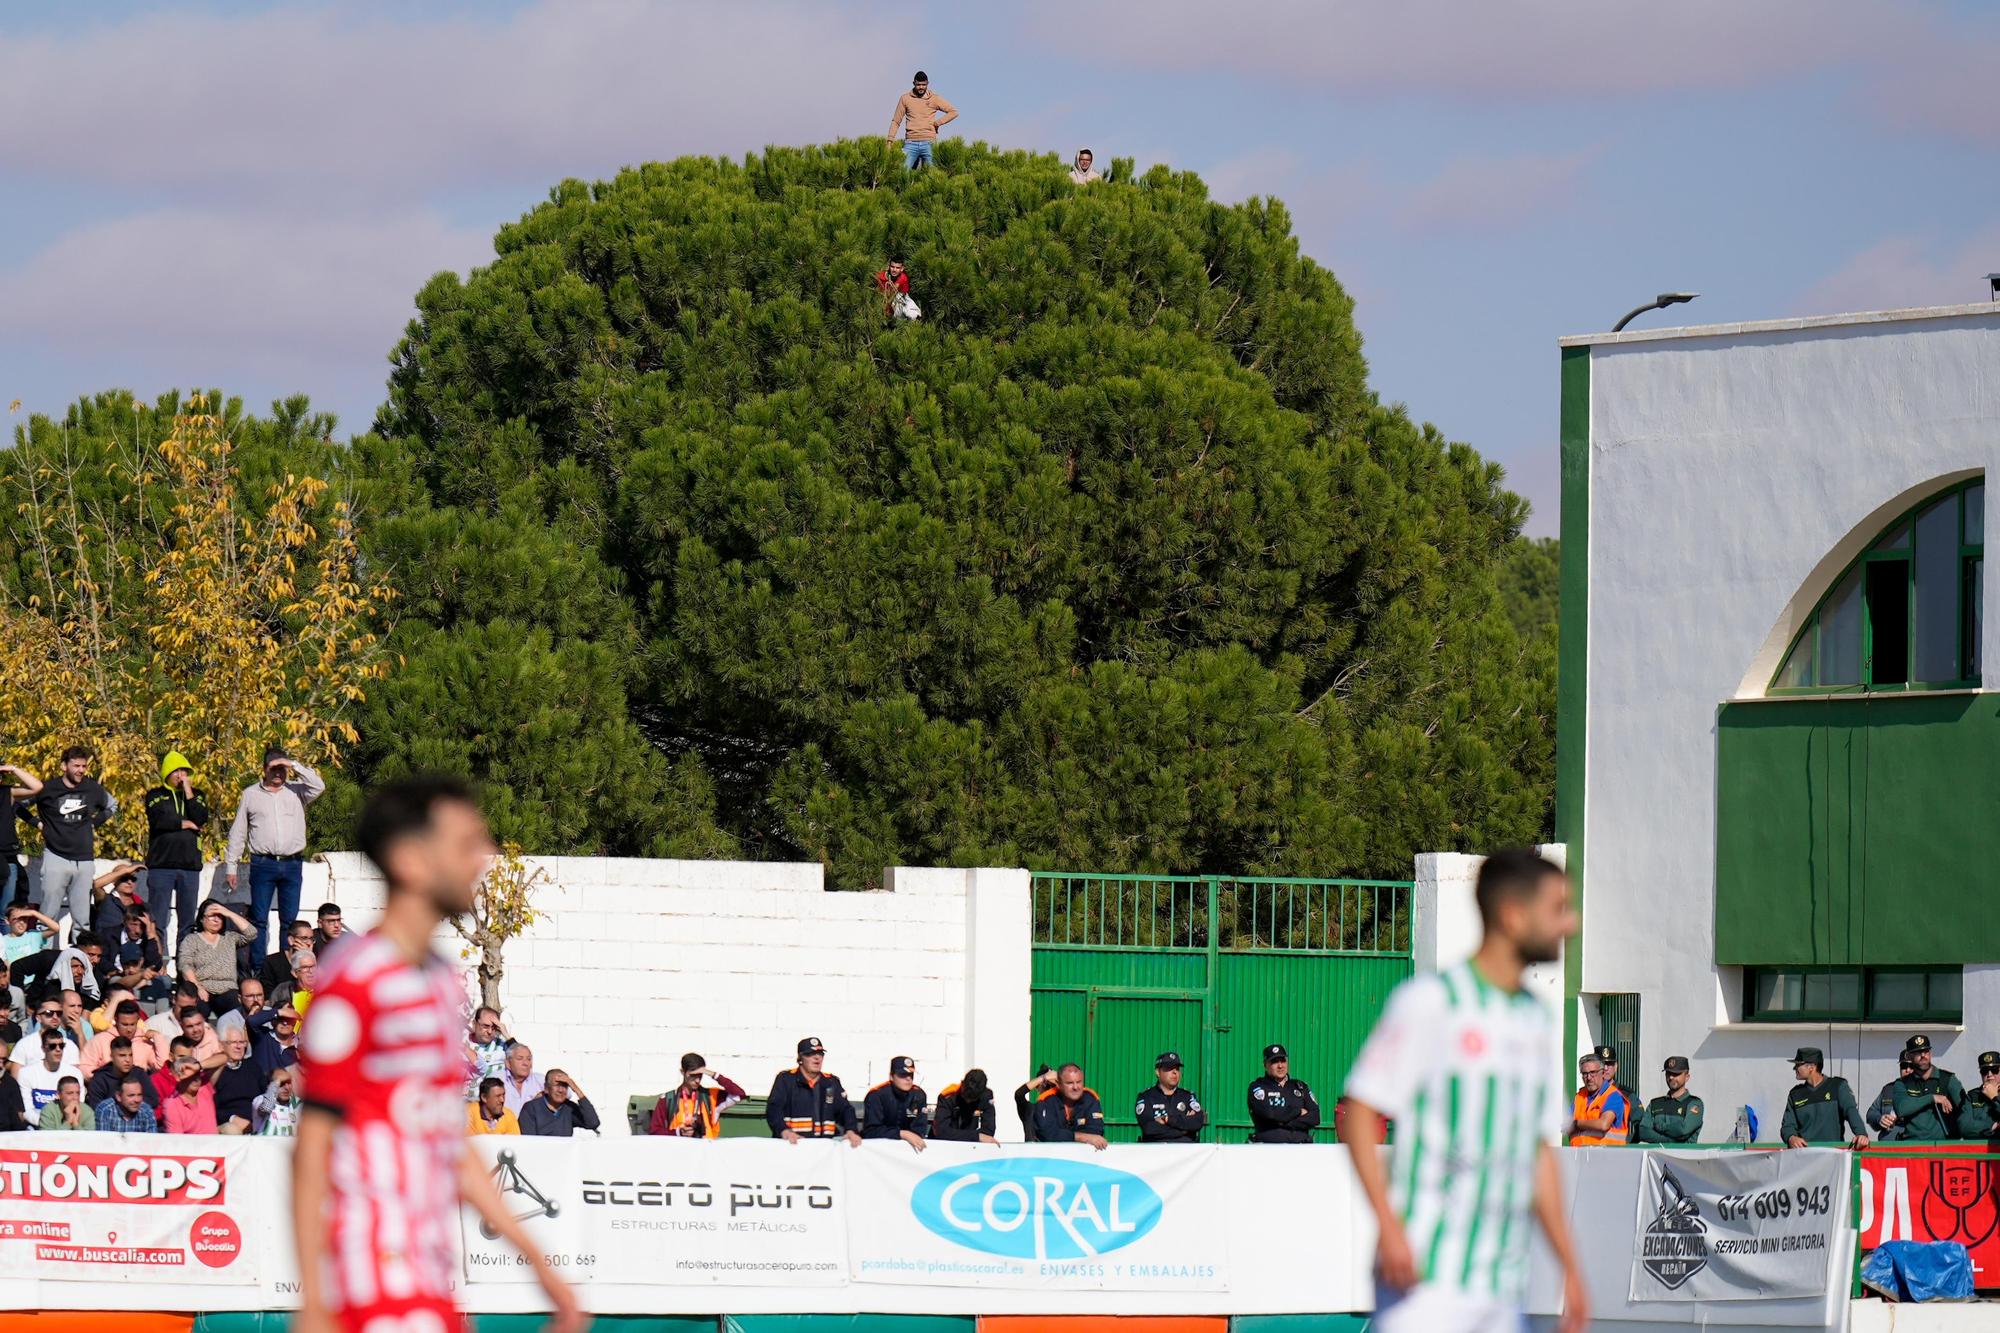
(270, 876)
(13, 881)
(917, 153)
(168, 891)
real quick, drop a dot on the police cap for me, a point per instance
(1917, 1045)
(1274, 1053)
(1677, 1064)
(811, 1046)
(1168, 1060)
(1989, 1061)
(1810, 1055)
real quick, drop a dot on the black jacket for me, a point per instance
(1169, 1117)
(104, 1083)
(815, 1110)
(168, 845)
(1282, 1112)
(961, 1120)
(69, 816)
(1059, 1121)
(13, 1112)
(886, 1112)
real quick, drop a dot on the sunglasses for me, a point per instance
(49, 1013)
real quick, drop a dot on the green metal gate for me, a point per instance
(1214, 968)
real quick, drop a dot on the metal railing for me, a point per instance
(1225, 912)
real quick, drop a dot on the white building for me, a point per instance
(1779, 761)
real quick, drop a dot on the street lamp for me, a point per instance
(1660, 302)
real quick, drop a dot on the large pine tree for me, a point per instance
(1111, 561)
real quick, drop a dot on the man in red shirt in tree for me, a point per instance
(382, 1162)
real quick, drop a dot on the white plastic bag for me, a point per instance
(907, 308)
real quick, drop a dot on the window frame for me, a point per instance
(1968, 553)
(1865, 1011)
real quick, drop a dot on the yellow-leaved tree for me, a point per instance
(155, 606)
(502, 907)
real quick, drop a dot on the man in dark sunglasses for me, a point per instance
(560, 1110)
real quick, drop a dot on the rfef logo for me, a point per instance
(1036, 1207)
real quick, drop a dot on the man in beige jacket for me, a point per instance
(918, 112)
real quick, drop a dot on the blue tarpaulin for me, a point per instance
(1919, 1270)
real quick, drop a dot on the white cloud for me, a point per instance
(216, 293)
(1905, 271)
(1525, 50)
(334, 104)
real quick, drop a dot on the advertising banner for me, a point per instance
(668, 1211)
(125, 1208)
(1948, 1192)
(1051, 1218)
(1735, 1226)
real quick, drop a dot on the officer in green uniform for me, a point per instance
(1820, 1106)
(1925, 1106)
(1885, 1102)
(1676, 1117)
(1979, 1116)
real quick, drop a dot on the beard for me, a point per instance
(1539, 949)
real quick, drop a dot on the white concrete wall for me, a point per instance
(637, 961)
(1730, 478)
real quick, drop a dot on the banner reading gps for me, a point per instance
(667, 1211)
(1125, 1219)
(117, 1208)
(1736, 1226)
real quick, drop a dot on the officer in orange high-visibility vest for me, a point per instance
(1602, 1117)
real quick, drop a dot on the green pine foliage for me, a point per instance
(1111, 562)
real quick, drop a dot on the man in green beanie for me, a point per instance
(175, 817)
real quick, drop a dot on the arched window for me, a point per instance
(1905, 615)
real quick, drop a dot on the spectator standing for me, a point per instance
(271, 826)
(1820, 1105)
(275, 1113)
(1675, 1117)
(806, 1102)
(559, 1110)
(897, 1109)
(39, 1081)
(13, 1106)
(191, 1108)
(489, 1114)
(921, 113)
(1282, 1108)
(128, 1024)
(518, 1077)
(1081, 172)
(126, 1110)
(1072, 1113)
(965, 1112)
(237, 1083)
(67, 1111)
(1979, 1116)
(692, 1111)
(70, 808)
(486, 1045)
(175, 817)
(113, 1072)
(1600, 1116)
(13, 883)
(207, 956)
(1167, 1112)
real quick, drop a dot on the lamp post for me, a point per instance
(1660, 302)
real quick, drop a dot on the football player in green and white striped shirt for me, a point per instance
(1463, 1062)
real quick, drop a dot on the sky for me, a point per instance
(248, 195)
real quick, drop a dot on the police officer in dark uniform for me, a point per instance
(809, 1103)
(1979, 1116)
(1676, 1117)
(1924, 1106)
(1167, 1112)
(897, 1109)
(1070, 1114)
(1820, 1106)
(1609, 1056)
(1282, 1108)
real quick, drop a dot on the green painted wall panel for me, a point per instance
(1321, 1008)
(1573, 650)
(849, 1323)
(1150, 969)
(1848, 829)
(1298, 1323)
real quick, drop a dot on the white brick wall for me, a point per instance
(637, 961)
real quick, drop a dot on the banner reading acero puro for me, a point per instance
(1051, 1219)
(99, 1208)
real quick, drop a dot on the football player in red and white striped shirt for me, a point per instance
(381, 1160)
